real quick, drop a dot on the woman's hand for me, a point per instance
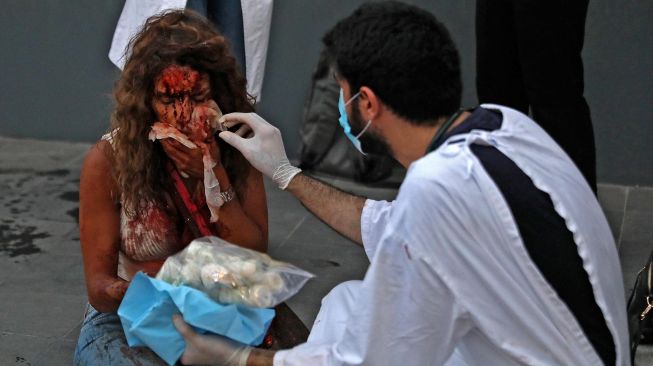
(214, 150)
(189, 160)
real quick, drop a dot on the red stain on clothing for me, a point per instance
(150, 235)
(407, 252)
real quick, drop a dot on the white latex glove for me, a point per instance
(264, 150)
(210, 349)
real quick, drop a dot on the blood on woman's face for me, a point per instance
(177, 89)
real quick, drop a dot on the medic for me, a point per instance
(495, 251)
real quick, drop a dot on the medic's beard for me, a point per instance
(372, 142)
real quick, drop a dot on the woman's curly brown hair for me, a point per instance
(180, 37)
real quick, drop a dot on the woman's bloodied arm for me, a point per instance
(99, 223)
(244, 220)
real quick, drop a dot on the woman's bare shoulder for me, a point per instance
(98, 168)
(98, 157)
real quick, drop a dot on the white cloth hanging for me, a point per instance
(257, 19)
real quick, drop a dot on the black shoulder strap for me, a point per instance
(440, 133)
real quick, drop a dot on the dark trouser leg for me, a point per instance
(498, 74)
(550, 36)
(227, 16)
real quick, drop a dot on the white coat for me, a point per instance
(450, 281)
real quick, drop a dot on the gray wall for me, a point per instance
(56, 77)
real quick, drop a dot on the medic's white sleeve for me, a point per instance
(374, 218)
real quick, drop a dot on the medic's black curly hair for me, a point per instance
(404, 54)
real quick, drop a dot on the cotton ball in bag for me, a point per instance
(201, 256)
(260, 296)
(225, 258)
(190, 275)
(243, 269)
(232, 265)
(218, 274)
(248, 269)
(229, 296)
(259, 257)
(211, 274)
(218, 293)
(273, 264)
(272, 281)
(260, 275)
(199, 253)
(170, 272)
(193, 250)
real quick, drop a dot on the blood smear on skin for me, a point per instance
(178, 79)
(199, 128)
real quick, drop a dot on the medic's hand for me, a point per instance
(264, 149)
(210, 350)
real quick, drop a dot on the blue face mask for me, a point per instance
(344, 122)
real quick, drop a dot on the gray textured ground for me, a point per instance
(42, 290)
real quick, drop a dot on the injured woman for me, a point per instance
(159, 178)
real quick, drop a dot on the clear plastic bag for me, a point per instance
(230, 274)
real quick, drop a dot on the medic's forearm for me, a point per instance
(341, 211)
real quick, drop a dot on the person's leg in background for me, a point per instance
(498, 73)
(550, 36)
(227, 16)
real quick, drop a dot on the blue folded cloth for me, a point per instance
(146, 316)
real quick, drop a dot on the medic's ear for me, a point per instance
(370, 105)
